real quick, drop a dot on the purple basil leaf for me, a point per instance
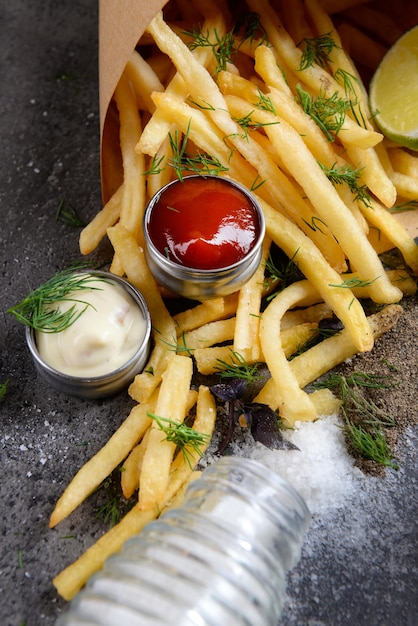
(230, 391)
(265, 428)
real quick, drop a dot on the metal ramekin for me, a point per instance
(198, 284)
(106, 384)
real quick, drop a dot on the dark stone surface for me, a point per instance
(359, 564)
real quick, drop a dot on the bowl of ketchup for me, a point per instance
(203, 236)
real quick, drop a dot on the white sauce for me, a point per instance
(102, 339)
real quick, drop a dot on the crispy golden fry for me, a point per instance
(246, 332)
(144, 81)
(326, 201)
(132, 467)
(328, 354)
(164, 332)
(171, 405)
(327, 282)
(133, 199)
(206, 312)
(70, 580)
(93, 233)
(296, 404)
(208, 335)
(104, 461)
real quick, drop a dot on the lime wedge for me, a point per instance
(394, 91)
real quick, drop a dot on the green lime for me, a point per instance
(394, 91)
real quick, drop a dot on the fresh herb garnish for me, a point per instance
(364, 420)
(317, 50)
(200, 163)
(328, 112)
(349, 82)
(67, 214)
(3, 389)
(223, 48)
(115, 505)
(40, 309)
(409, 205)
(339, 175)
(182, 435)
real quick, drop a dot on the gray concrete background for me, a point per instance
(359, 564)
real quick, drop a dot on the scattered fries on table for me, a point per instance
(270, 98)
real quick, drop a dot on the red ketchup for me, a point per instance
(204, 223)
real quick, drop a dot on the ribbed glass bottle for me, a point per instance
(219, 560)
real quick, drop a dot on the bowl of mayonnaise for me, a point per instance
(97, 338)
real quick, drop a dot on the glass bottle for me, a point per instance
(218, 560)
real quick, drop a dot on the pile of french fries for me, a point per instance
(243, 110)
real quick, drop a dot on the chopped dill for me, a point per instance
(238, 368)
(339, 175)
(67, 214)
(328, 112)
(248, 27)
(3, 389)
(409, 205)
(317, 50)
(182, 435)
(223, 48)
(348, 82)
(200, 163)
(364, 421)
(40, 310)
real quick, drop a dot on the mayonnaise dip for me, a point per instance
(102, 339)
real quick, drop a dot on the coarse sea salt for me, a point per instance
(322, 470)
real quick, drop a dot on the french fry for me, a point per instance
(208, 335)
(325, 199)
(321, 276)
(328, 354)
(104, 461)
(205, 312)
(133, 463)
(133, 199)
(246, 331)
(93, 233)
(132, 467)
(171, 405)
(295, 404)
(71, 579)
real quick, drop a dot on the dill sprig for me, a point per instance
(115, 505)
(280, 273)
(223, 48)
(182, 435)
(40, 309)
(155, 166)
(364, 421)
(67, 214)
(200, 163)
(339, 175)
(348, 81)
(409, 205)
(328, 112)
(317, 50)
(265, 104)
(238, 368)
(249, 27)
(352, 282)
(3, 389)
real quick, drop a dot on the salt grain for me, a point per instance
(322, 470)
